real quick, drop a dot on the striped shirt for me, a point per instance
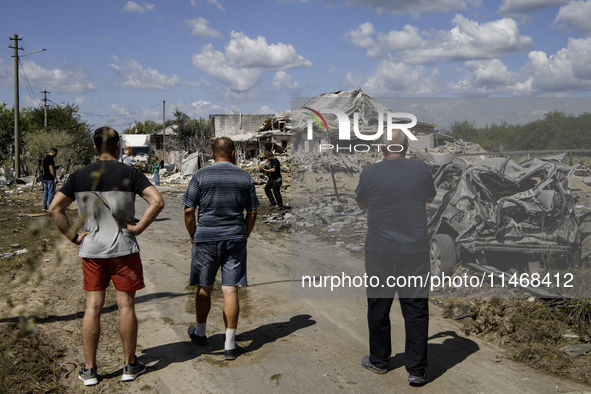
(222, 191)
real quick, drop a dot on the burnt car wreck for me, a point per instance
(507, 213)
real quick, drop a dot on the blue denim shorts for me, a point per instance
(208, 257)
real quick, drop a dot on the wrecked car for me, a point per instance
(506, 212)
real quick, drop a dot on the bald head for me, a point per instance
(397, 145)
(223, 149)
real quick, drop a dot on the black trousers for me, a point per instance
(274, 186)
(416, 326)
(414, 303)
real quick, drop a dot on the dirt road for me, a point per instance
(294, 344)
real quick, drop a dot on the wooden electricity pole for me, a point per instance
(45, 109)
(17, 155)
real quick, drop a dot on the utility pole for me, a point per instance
(163, 122)
(17, 155)
(45, 109)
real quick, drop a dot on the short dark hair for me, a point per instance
(223, 146)
(53, 150)
(106, 140)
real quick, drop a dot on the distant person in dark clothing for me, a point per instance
(395, 192)
(49, 178)
(273, 186)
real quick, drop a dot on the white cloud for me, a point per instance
(415, 7)
(200, 27)
(217, 66)
(62, 79)
(566, 71)
(467, 40)
(486, 77)
(31, 102)
(265, 109)
(202, 109)
(282, 78)
(362, 36)
(131, 6)
(522, 7)
(244, 51)
(215, 3)
(81, 101)
(241, 67)
(576, 15)
(135, 76)
(393, 77)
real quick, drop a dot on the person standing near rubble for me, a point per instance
(105, 191)
(395, 191)
(273, 186)
(49, 178)
(156, 170)
(222, 191)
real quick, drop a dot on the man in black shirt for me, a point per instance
(395, 192)
(273, 170)
(49, 178)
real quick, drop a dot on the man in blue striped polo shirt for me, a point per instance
(222, 191)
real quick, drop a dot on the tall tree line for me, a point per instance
(557, 131)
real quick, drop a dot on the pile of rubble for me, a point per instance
(472, 151)
(337, 217)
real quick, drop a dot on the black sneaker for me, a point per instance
(419, 380)
(88, 376)
(365, 363)
(197, 339)
(130, 371)
(234, 353)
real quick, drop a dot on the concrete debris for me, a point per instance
(461, 147)
(191, 164)
(576, 350)
(12, 254)
(461, 312)
(354, 248)
(323, 162)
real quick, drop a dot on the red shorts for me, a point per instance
(126, 272)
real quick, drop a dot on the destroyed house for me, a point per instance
(351, 102)
(244, 130)
(163, 137)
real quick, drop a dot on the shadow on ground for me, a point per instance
(178, 352)
(442, 356)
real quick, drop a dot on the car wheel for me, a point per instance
(443, 255)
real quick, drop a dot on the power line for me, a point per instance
(27, 64)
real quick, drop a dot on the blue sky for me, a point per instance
(118, 60)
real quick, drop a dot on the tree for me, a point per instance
(6, 132)
(464, 130)
(193, 134)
